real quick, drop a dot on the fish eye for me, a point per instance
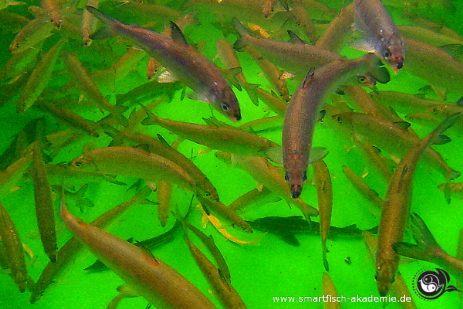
(362, 79)
(434, 111)
(225, 106)
(286, 176)
(78, 163)
(339, 119)
(387, 55)
(304, 176)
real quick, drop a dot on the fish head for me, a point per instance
(363, 80)
(392, 51)
(385, 272)
(295, 174)
(344, 121)
(83, 163)
(226, 102)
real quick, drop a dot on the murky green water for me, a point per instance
(258, 273)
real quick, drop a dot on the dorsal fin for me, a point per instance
(293, 38)
(177, 34)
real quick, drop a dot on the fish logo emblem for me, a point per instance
(431, 285)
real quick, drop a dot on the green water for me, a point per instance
(258, 273)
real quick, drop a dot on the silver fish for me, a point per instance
(382, 36)
(182, 61)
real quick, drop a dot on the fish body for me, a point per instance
(396, 208)
(325, 203)
(132, 162)
(383, 37)
(391, 138)
(148, 276)
(434, 65)
(36, 31)
(301, 115)
(222, 138)
(39, 78)
(44, 203)
(226, 293)
(182, 61)
(13, 249)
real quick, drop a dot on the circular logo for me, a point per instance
(431, 285)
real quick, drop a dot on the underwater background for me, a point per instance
(258, 272)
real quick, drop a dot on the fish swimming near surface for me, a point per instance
(183, 62)
(382, 36)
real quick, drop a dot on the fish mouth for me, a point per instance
(237, 115)
(296, 191)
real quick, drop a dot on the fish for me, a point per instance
(160, 147)
(150, 244)
(398, 287)
(69, 117)
(85, 83)
(303, 19)
(227, 139)
(295, 57)
(382, 36)
(208, 217)
(225, 212)
(39, 78)
(287, 227)
(362, 187)
(208, 241)
(324, 187)
(401, 102)
(271, 71)
(13, 249)
(390, 137)
(396, 208)
(133, 162)
(14, 172)
(182, 61)
(338, 30)
(160, 284)
(427, 249)
(268, 175)
(256, 197)
(305, 105)
(35, 32)
(44, 203)
(231, 62)
(226, 293)
(434, 65)
(88, 24)
(68, 253)
(52, 9)
(329, 291)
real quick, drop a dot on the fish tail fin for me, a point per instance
(435, 135)
(377, 70)
(251, 90)
(426, 246)
(109, 22)
(150, 119)
(242, 32)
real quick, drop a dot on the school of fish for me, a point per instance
(115, 111)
